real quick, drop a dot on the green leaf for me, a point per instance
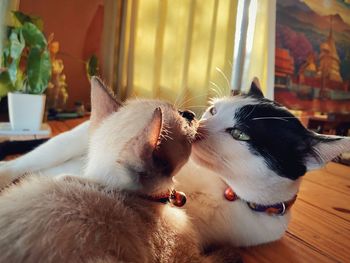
(92, 67)
(21, 18)
(38, 70)
(5, 57)
(33, 36)
(38, 22)
(16, 47)
(5, 84)
(12, 71)
(19, 84)
(16, 44)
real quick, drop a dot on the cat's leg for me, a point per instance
(55, 152)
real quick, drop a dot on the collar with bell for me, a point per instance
(174, 197)
(278, 209)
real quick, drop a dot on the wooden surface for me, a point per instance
(320, 227)
(58, 127)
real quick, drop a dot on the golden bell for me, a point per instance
(177, 198)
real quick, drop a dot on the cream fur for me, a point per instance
(46, 220)
(101, 215)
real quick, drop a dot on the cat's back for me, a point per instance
(43, 220)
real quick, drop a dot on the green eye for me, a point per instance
(238, 134)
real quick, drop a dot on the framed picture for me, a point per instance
(312, 57)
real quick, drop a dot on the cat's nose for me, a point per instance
(188, 115)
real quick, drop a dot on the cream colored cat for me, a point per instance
(117, 210)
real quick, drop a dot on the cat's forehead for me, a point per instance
(240, 104)
(148, 105)
(141, 110)
(144, 103)
(233, 104)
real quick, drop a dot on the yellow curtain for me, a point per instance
(258, 53)
(180, 50)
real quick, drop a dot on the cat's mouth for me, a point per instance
(191, 130)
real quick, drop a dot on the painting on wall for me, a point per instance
(312, 61)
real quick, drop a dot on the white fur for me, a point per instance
(246, 173)
(218, 220)
(63, 152)
(223, 161)
(222, 157)
(111, 137)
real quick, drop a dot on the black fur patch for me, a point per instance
(278, 137)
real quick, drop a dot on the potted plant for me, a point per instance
(25, 72)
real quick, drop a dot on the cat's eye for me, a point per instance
(212, 110)
(238, 134)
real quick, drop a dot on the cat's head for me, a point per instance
(137, 146)
(259, 148)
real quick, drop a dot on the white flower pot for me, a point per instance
(26, 111)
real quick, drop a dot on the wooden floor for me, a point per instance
(320, 226)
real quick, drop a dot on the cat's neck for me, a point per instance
(265, 191)
(108, 176)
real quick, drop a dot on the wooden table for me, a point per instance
(320, 227)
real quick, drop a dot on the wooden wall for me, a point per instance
(78, 27)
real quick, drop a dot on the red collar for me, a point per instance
(174, 197)
(278, 209)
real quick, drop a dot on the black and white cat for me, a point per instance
(244, 173)
(260, 151)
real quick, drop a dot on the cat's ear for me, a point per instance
(255, 89)
(153, 130)
(147, 141)
(149, 138)
(103, 102)
(163, 152)
(326, 148)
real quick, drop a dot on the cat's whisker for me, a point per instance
(217, 90)
(165, 137)
(281, 118)
(196, 106)
(216, 93)
(212, 100)
(191, 99)
(177, 99)
(225, 77)
(270, 118)
(250, 113)
(166, 133)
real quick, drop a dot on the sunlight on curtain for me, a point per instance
(258, 56)
(177, 50)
